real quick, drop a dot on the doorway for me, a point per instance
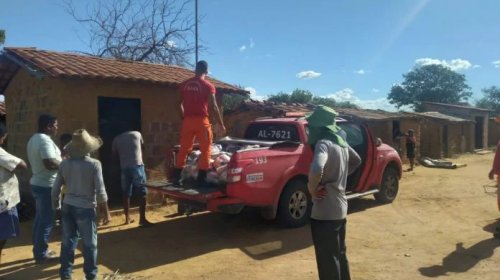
(479, 132)
(444, 141)
(114, 114)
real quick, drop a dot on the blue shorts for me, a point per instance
(132, 178)
(9, 224)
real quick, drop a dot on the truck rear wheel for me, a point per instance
(294, 207)
(389, 187)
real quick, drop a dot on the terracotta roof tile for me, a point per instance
(59, 64)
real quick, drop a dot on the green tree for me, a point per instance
(347, 104)
(2, 37)
(491, 99)
(280, 97)
(232, 101)
(433, 83)
(327, 101)
(301, 96)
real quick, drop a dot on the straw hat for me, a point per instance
(82, 144)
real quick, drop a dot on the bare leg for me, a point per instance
(126, 208)
(106, 215)
(2, 244)
(143, 222)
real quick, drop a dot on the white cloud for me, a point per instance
(454, 64)
(496, 63)
(310, 74)
(375, 90)
(360, 71)
(476, 66)
(254, 95)
(348, 94)
(171, 44)
(252, 90)
(250, 45)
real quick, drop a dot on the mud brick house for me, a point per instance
(493, 132)
(97, 94)
(387, 126)
(478, 132)
(445, 136)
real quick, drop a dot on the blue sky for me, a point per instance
(348, 49)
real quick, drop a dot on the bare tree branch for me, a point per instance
(158, 31)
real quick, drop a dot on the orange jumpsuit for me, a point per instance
(196, 124)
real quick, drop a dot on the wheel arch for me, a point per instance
(271, 212)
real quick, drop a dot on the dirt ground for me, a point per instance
(439, 227)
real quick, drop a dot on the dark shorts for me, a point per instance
(410, 154)
(132, 179)
(9, 224)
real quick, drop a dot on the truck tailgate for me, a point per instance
(184, 194)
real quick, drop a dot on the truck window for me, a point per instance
(354, 134)
(272, 132)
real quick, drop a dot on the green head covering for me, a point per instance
(322, 126)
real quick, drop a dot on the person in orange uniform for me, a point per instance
(495, 170)
(197, 106)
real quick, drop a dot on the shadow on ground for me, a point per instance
(135, 249)
(463, 259)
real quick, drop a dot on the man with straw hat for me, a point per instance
(85, 190)
(333, 161)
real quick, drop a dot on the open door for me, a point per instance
(444, 141)
(479, 132)
(113, 114)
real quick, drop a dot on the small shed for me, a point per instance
(388, 126)
(478, 132)
(493, 132)
(97, 94)
(444, 136)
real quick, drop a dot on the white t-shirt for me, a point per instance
(40, 147)
(9, 186)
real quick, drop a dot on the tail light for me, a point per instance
(235, 169)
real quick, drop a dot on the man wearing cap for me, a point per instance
(333, 161)
(82, 176)
(198, 104)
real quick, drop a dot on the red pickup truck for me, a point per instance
(269, 171)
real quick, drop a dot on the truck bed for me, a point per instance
(185, 193)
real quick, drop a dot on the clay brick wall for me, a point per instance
(493, 132)
(75, 103)
(430, 139)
